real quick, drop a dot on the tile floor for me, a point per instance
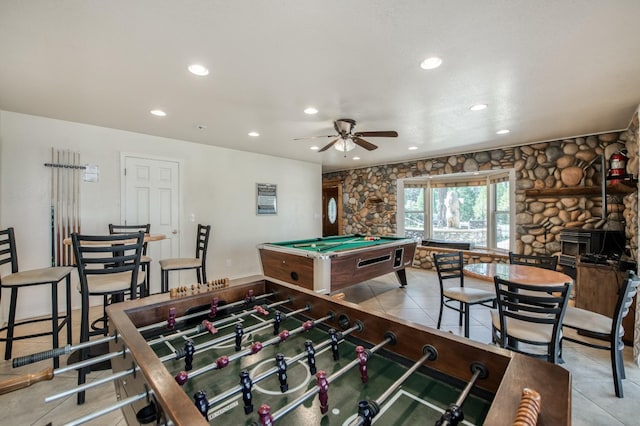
(594, 400)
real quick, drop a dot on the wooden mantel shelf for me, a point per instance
(618, 188)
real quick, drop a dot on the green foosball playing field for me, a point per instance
(420, 399)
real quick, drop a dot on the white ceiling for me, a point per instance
(547, 69)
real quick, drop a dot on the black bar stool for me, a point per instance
(44, 276)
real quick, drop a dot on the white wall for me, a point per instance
(218, 187)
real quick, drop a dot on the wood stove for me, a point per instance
(601, 243)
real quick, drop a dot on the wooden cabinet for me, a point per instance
(596, 290)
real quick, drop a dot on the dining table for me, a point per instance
(147, 238)
(524, 274)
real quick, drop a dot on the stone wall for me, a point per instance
(369, 194)
(424, 256)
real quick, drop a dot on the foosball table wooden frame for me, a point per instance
(508, 372)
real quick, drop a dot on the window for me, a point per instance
(469, 208)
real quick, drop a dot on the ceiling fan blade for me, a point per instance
(382, 134)
(327, 146)
(315, 137)
(366, 145)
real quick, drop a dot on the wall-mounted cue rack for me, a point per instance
(66, 173)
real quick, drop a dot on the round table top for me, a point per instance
(516, 273)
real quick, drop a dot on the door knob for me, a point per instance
(175, 231)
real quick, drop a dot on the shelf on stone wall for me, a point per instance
(623, 187)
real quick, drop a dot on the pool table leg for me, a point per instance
(402, 277)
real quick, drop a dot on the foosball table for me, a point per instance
(263, 353)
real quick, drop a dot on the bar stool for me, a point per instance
(108, 266)
(145, 261)
(51, 276)
(199, 263)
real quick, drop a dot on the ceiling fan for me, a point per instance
(347, 139)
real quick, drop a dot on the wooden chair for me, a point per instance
(546, 262)
(530, 314)
(19, 279)
(598, 326)
(108, 266)
(145, 261)
(199, 263)
(449, 266)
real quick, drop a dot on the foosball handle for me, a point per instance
(528, 409)
(25, 381)
(40, 356)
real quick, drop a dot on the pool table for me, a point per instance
(328, 264)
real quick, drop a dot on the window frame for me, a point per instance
(492, 179)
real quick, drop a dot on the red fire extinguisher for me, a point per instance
(617, 167)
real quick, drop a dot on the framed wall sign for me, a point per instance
(266, 195)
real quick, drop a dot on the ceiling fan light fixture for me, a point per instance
(345, 145)
(431, 63)
(158, 113)
(356, 158)
(503, 132)
(311, 110)
(314, 148)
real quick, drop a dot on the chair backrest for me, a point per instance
(108, 254)
(625, 298)
(546, 262)
(448, 266)
(129, 229)
(202, 242)
(539, 304)
(8, 252)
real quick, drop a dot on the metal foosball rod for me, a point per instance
(367, 410)
(454, 415)
(200, 328)
(256, 347)
(390, 338)
(221, 397)
(176, 355)
(67, 349)
(120, 404)
(49, 373)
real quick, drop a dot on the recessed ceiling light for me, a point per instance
(431, 63)
(356, 158)
(413, 148)
(254, 134)
(314, 148)
(158, 112)
(478, 107)
(503, 132)
(311, 111)
(198, 69)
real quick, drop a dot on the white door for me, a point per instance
(151, 194)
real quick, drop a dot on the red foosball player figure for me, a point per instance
(361, 354)
(323, 395)
(171, 321)
(265, 415)
(213, 311)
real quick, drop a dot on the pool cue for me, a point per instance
(53, 215)
(67, 349)
(59, 240)
(311, 392)
(221, 397)
(430, 353)
(328, 243)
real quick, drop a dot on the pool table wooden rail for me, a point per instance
(508, 372)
